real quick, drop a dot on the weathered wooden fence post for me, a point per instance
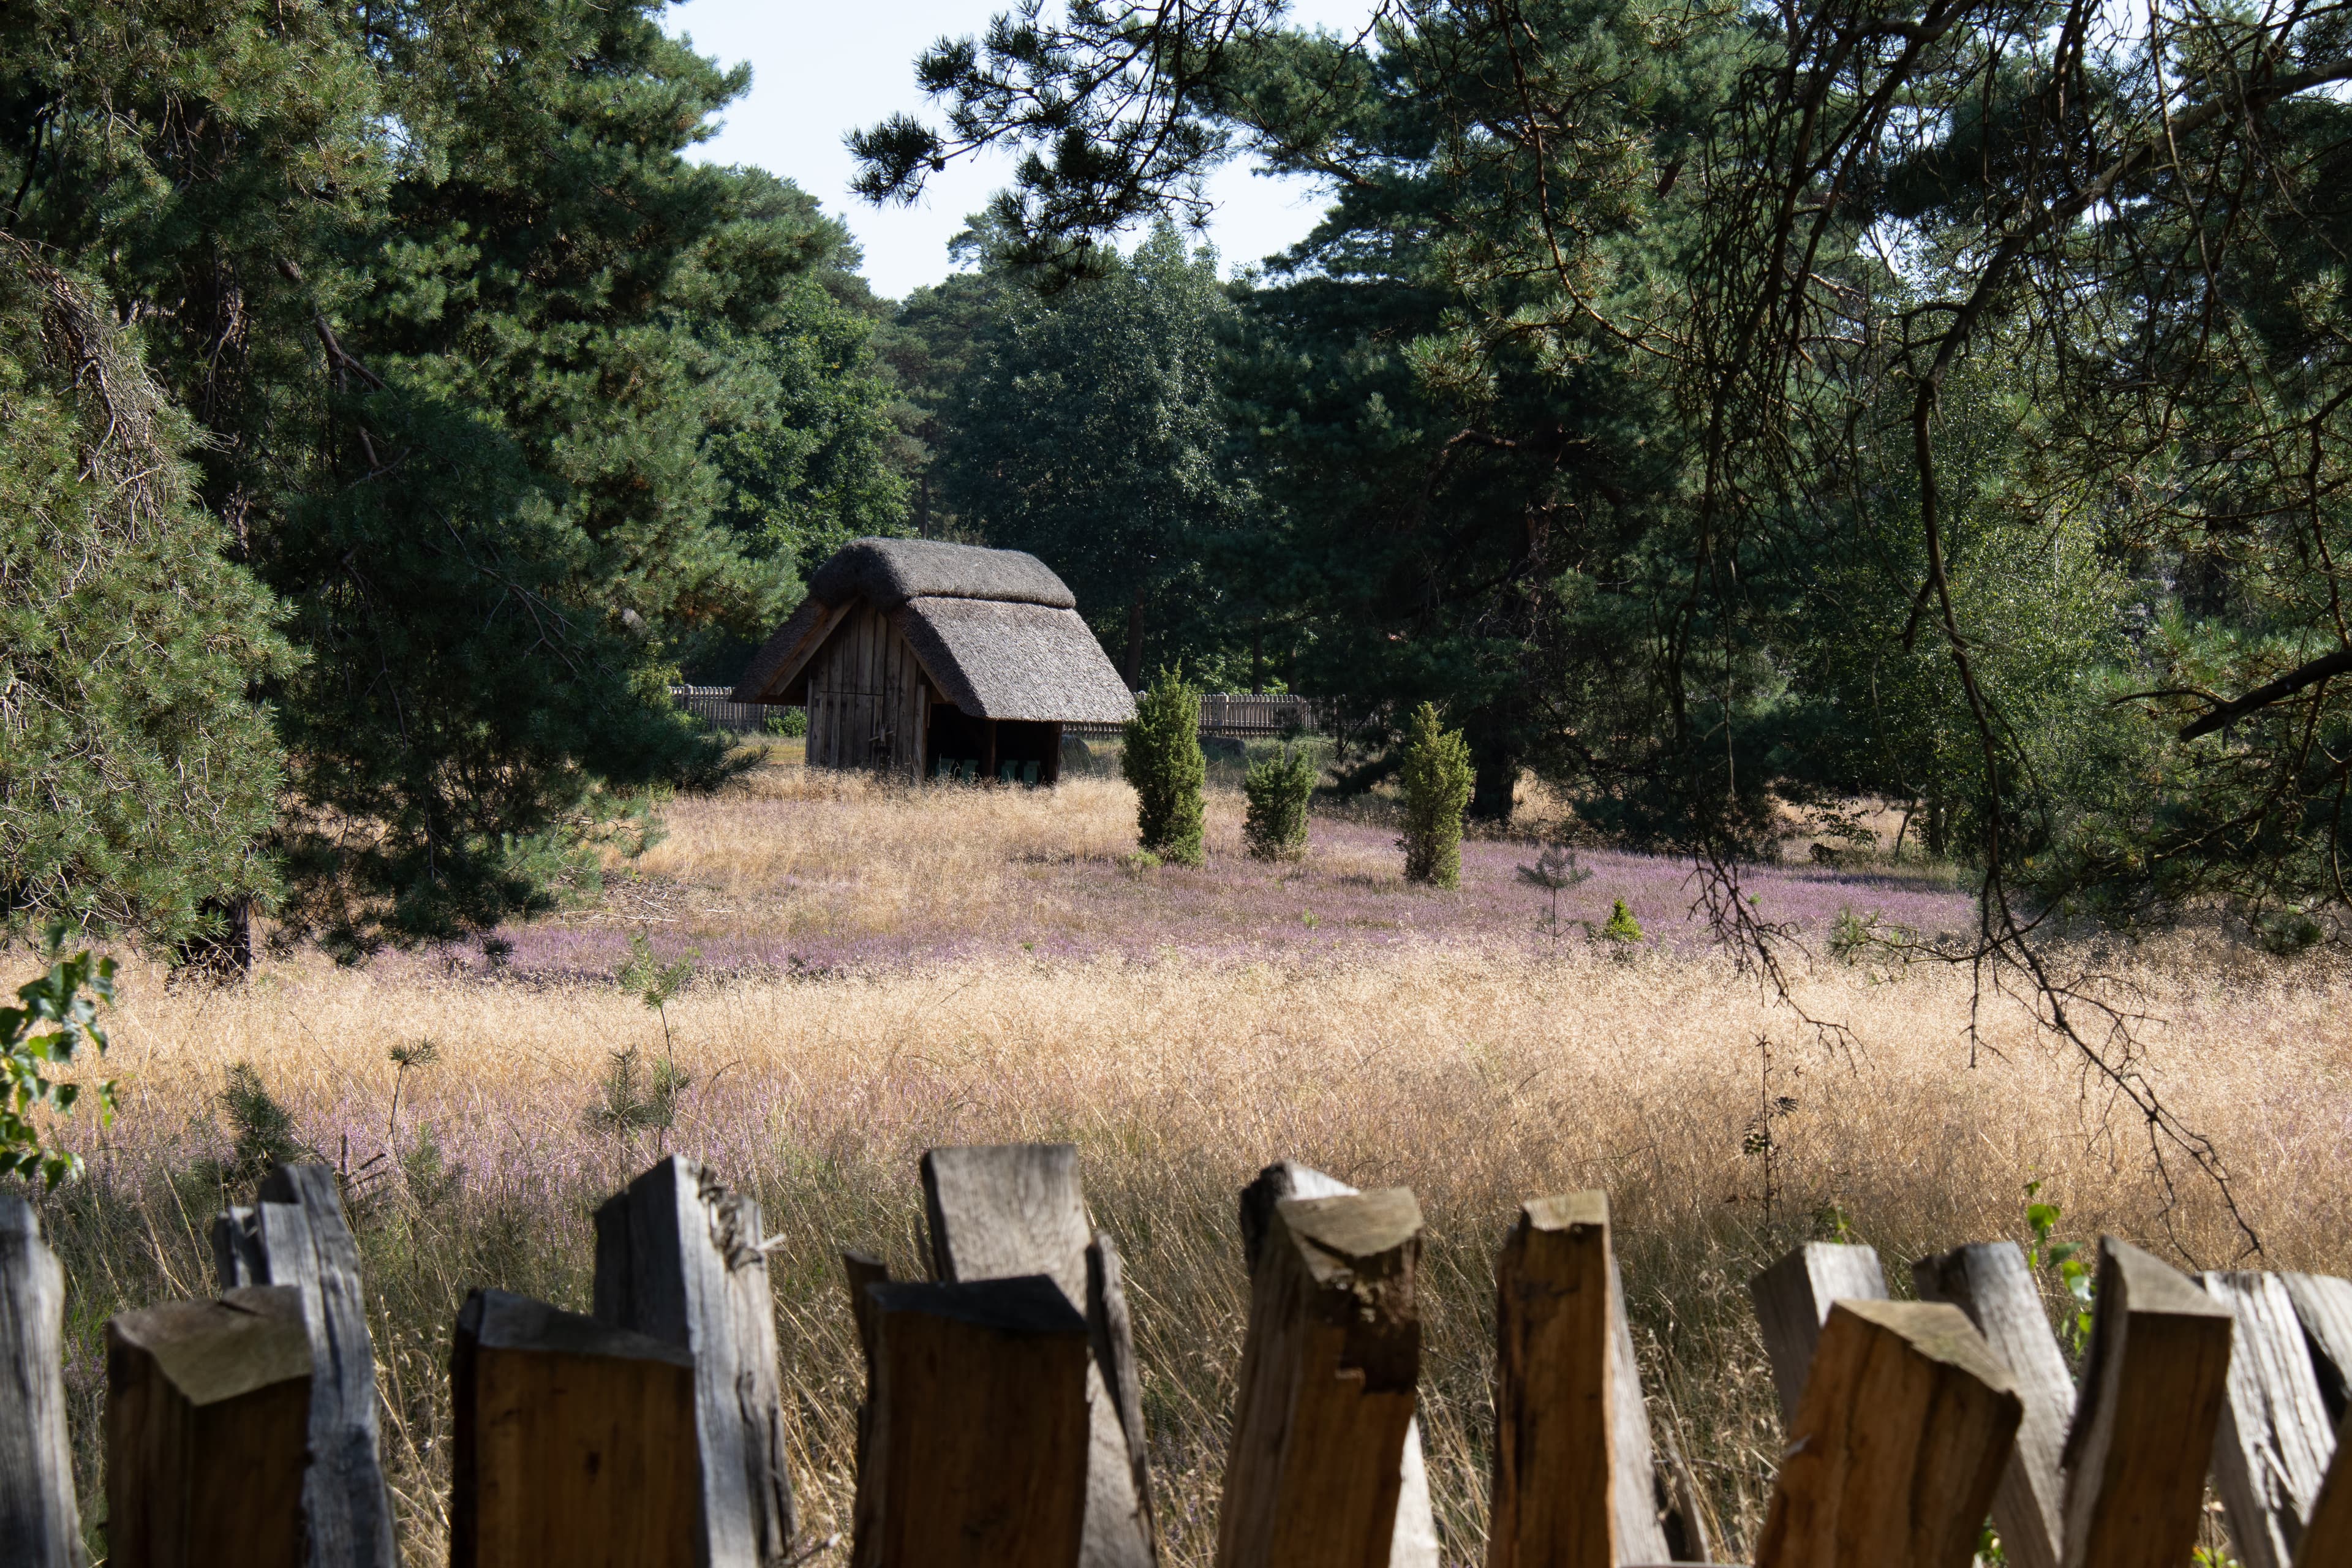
(977, 1433)
(296, 1235)
(1005, 1211)
(1792, 1301)
(40, 1527)
(575, 1442)
(2323, 1305)
(1414, 1544)
(1326, 1386)
(1898, 1442)
(1574, 1476)
(1990, 1282)
(863, 1269)
(208, 1432)
(679, 1258)
(2273, 1441)
(2151, 1397)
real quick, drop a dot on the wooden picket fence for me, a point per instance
(1002, 1425)
(1242, 714)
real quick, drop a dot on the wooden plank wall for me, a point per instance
(868, 702)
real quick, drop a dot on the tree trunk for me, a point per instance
(1494, 779)
(225, 951)
(1134, 669)
(1257, 659)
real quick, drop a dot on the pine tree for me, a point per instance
(517, 410)
(138, 778)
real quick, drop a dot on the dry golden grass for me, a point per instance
(877, 852)
(1478, 1075)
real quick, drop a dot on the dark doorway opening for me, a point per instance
(1016, 750)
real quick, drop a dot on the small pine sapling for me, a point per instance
(1274, 823)
(628, 1108)
(1161, 758)
(1619, 927)
(1555, 872)
(1436, 779)
(262, 1133)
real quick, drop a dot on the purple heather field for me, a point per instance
(1234, 908)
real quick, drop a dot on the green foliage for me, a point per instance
(1853, 936)
(788, 722)
(516, 409)
(56, 1016)
(262, 1133)
(1436, 777)
(1089, 429)
(655, 984)
(634, 1097)
(1161, 758)
(138, 778)
(1273, 820)
(2077, 1276)
(1620, 927)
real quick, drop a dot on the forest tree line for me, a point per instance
(1715, 410)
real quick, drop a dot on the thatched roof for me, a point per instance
(995, 630)
(998, 660)
(887, 573)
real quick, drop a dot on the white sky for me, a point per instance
(823, 67)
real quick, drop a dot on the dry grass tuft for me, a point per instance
(1479, 1073)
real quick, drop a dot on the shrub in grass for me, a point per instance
(1436, 779)
(1274, 825)
(1161, 758)
(1621, 926)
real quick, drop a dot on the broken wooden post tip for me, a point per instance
(678, 1258)
(1792, 1300)
(207, 1431)
(1898, 1442)
(2152, 1388)
(1555, 1484)
(1316, 1463)
(977, 1449)
(574, 1441)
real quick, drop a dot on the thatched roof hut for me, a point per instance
(919, 657)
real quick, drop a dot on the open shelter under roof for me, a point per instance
(922, 659)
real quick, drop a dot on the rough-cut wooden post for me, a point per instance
(2273, 1441)
(297, 1235)
(1792, 1301)
(1326, 1386)
(207, 1432)
(864, 1269)
(1414, 1544)
(979, 1447)
(573, 1441)
(2151, 1394)
(1991, 1284)
(1005, 1211)
(2323, 1304)
(1575, 1478)
(2327, 1537)
(1897, 1446)
(679, 1258)
(40, 1525)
